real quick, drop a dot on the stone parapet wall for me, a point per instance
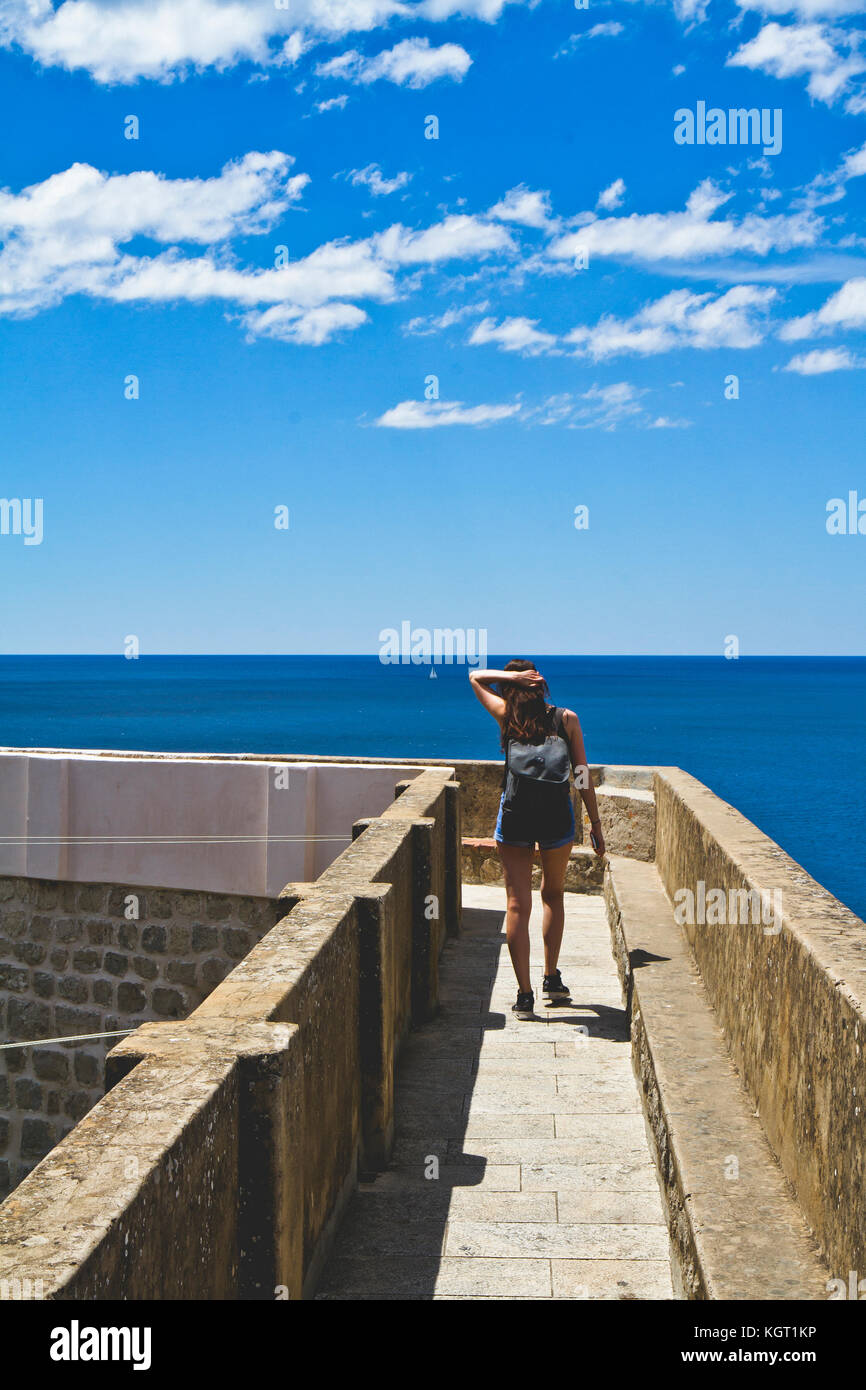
(628, 821)
(788, 985)
(221, 1158)
(94, 958)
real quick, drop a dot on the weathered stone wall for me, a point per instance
(628, 820)
(307, 972)
(790, 993)
(179, 1184)
(220, 1159)
(73, 962)
(481, 864)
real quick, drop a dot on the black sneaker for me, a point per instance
(553, 987)
(525, 1006)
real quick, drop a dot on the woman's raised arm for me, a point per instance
(481, 681)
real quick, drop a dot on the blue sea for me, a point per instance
(782, 738)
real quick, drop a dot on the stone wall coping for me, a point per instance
(832, 933)
(632, 793)
(311, 758)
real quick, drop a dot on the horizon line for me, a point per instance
(574, 656)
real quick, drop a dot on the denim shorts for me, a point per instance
(522, 831)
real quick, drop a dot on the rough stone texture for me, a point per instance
(481, 864)
(267, 1131)
(118, 973)
(401, 932)
(203, 1093)
(792, 1005)
(429, 804)
(152, 1196)
(545, 1187)
(306, 971)
(735, 1226)
(628, 820)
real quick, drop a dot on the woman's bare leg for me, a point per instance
(554, 863)
(517, 867)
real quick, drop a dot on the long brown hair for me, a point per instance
(527, 715)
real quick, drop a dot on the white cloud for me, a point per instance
(522, 205)
(118, 43)
(804, 9)
(854, 164)
(827, 56)
(820, 361)
(372, 177)
(846, 309)
(412, 63)
(333, 103)
(607, 30)
(424, 326)
(122, 40)
(556, 410)
(76, 233)
(425, 415)
(611, 197)
(691, 234)
(69, 235)
(333, 271)
(163, 39)
(831, 267)
(601, 407)
(680, 319)
(311, 327)
(457, 236)
(63, 236)
(488, 10)
(513, 335)
(246, 197)
(608, 406)
(830, 188)
(691, 12)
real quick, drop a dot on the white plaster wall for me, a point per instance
(182, 822)
(346, 792)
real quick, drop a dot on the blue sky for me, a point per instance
(297, 378)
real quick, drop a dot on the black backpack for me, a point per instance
(536, 773)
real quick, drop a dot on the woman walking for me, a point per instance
(542, 744)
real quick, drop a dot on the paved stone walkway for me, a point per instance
(545, 1185)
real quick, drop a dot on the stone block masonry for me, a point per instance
(790, 998)
(72, 961)
(221, 1157)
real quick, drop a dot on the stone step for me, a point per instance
(481, 865)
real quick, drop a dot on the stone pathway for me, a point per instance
(521, 1168)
